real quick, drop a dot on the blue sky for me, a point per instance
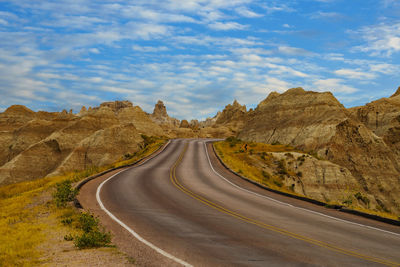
(195, 55)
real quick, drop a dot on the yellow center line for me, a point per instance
(213, 205)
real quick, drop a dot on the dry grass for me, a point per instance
(250, 160)
(26, 210)
(241, 158)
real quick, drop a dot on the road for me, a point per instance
(187, 206)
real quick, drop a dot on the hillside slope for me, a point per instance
(317, 122)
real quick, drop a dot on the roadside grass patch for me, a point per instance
(254, 164)
(25, 207)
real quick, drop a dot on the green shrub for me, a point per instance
(64, 193)
(67, 221)
(299, 174)
(68, 237)
(233, 141)
(92, 236)
(87, 222)
(278, 183)
(92, 239)
(282, 167)
(362, 198)
(348, 202)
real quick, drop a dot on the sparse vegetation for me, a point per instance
(64, 193)
(362, 198)
(93, 236)
(244, 162)
(262, 166)
(23, 213)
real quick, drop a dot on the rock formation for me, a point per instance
(36, 144)
(161, 117)
(317, 122)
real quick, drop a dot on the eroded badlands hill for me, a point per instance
(363, 141)
(38, 144)
(317, 122)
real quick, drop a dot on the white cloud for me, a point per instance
(226, 26)
(355, 74)
(380, 39)
(245, 12)
(274, 7)
(94, 50)
(274, 84)
(294, 51)
(333, 85)
(326, 15)
(149, 49)
(384, 68)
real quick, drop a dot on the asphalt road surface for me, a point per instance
(184, 204)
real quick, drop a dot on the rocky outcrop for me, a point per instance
(36, 144)
(103, 147)
(317, 122)
(317, 179)
(296, 117)
(383, 118)
(160, 116)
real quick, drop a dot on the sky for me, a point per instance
(195, 55)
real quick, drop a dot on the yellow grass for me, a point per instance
(241, 160)
(23, 206)
(238, 159)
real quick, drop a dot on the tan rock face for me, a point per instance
(36, 144)
(160, 116)
(383, 118)
(318, 179)
(318, 122)
(103, 147)
(296, 117)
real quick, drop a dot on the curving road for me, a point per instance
(188, 207)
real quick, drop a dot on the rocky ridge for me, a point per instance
(364, 141)
(38, 144)
(318, 123)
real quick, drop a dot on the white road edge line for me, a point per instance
(287, 204)
(136, 235)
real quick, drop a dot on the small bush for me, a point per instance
(92, 239)
(348, 202)
(87, 222)
(278, 183)
(282, 167)
(362, 198)
(233, 141)
(265, 174)
(92, 236)
(68, 237)
(67, 221)
(64, 193)
(299, 174)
